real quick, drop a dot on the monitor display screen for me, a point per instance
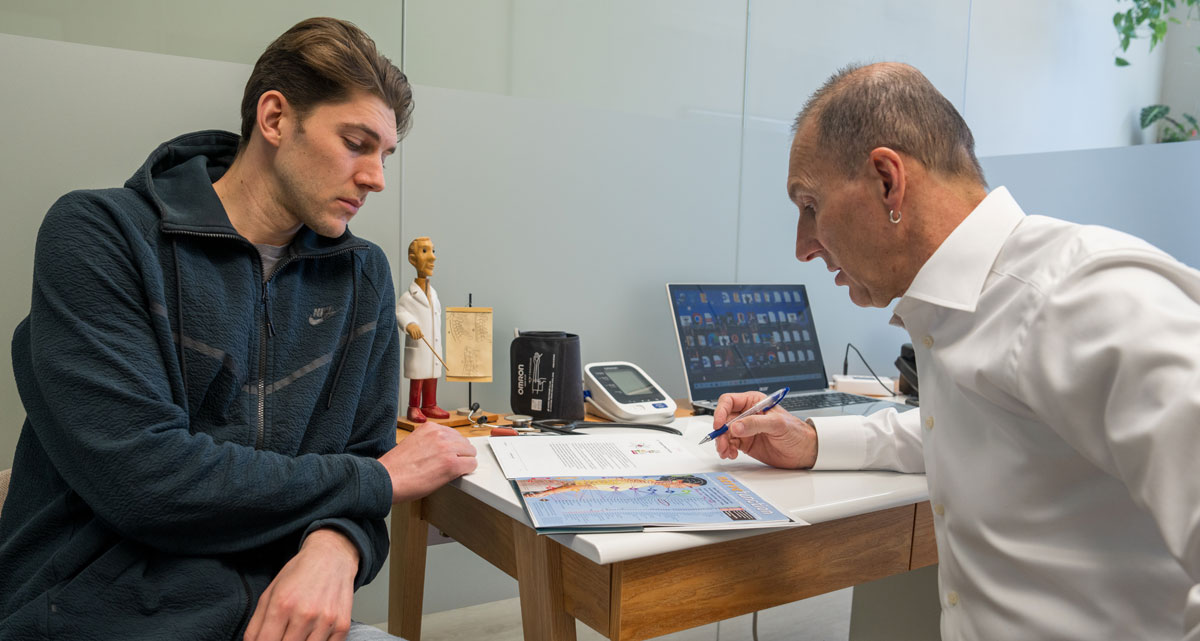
(736, 337)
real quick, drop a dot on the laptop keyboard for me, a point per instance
(814, 401)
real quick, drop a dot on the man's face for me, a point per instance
(328, 162)
(844, 222)
(423, 258)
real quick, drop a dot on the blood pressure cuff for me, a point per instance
(547, 375)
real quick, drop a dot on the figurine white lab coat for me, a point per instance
(414, 307)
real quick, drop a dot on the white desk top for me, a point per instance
(814, 497)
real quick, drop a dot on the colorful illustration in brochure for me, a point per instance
(704, 500)
(643, 484)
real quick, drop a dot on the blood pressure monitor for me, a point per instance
(623, 392)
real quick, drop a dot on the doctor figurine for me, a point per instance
(420, 314)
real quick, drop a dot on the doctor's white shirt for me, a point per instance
(1059, 429)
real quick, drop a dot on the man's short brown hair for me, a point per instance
(895, 106)
(325, 60)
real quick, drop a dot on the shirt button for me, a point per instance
(928, 341)
(929, 422)
(939, 509)
(952, 598)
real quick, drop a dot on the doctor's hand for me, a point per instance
(776, 438)
(312, 596)
(427, 459)
(414, 331)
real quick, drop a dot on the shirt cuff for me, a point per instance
(841, 443)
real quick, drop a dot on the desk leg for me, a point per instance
(406, 585)
(539, 579)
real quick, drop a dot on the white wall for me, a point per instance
(229, 30)
(563, 215)
(1040, 77)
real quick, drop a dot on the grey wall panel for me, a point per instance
(567, 218)
(229, 30)
(1148, 191)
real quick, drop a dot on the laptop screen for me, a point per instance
(737, 338)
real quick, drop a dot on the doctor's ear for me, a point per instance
(887, 167)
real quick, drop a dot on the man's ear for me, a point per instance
(887, 169)
(273, 109)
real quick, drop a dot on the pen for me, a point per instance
(761, 406)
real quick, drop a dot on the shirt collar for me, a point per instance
(954, 275)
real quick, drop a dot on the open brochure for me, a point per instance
(624, 483)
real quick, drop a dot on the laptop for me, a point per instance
(739, 338)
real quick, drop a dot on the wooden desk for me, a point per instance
(658, 594)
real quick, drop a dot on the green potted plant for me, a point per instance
(1150, 19)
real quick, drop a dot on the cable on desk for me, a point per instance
(846, 367)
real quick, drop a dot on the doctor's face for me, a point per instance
(843, 223)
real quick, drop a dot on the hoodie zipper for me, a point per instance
(267, 329)
(265, 332)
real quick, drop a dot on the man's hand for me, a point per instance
(413, 330)
(427, 459)
(311, 597)
(776, 438)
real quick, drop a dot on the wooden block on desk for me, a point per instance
(454, 421)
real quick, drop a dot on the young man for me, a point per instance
(210, 370)
(1058, 367)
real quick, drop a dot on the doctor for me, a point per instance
(1058, 366)
(419, 312)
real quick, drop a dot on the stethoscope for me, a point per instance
(566, 427)
(570, 427)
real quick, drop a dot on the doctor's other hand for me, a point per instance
(776, 438)
(414, 331)
(427, 459)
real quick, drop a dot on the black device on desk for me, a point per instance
(907, 364)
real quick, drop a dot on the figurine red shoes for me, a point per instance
(422, 401)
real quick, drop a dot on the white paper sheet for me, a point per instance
(528, 456)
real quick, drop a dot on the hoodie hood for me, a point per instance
(177, 180)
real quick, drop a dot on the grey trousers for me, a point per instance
(363, 632)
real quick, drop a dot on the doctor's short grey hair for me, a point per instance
(889, 105)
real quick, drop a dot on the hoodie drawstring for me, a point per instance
(179, 319)
(349, 335)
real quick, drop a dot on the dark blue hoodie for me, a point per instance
(156, 491)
